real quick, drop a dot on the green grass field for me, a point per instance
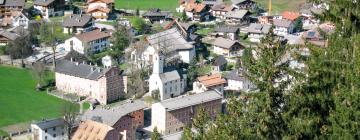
(147, 4)
(20, 102)
(278, 6)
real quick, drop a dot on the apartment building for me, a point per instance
(172, 115)
(102, 84)
(125, 118)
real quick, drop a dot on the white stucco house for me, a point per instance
(283, 27)
(21, 19)
(89, 42)
(49, 8)
(169, 81)
(238, 82)
(172, 44)
(49, 130)
(209, 82)
(257, 31)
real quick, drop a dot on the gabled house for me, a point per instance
(219, 64)
(95, 130)
(244, 4)
(229, 32)
(49, 129)
(124, 118)
(220, 10)
(236, 81)
(227, 47)
(49, 8)
(257, 31)
(105, 85)
(196, 11)
(21, 19)
(9, 6)
(209, 82)
(187, 30)
(7, 36)
(173, 115)
(155, 15)
(77, 23)
(283, 27)
(89, 42)
(171, 42)
(314, 36)
(237, 17)
(100, 9)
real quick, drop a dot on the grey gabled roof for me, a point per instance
(169, 76)
(233, 75)
(237, 14)
(219, 61)
(156, 12)
(282, 23)
(224, 43)
(110, 116)
(43, 2)
(9, 35)
(79, 70)
(77, 20)
(190, 100)
(259, 28)
(45, 124)
(169, 40)
(226, 29)
(13, 3)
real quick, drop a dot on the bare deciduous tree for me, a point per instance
(69, 112)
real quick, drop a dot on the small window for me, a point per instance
(45, 130)
(46, 137)
(54, 135)
(54, 129)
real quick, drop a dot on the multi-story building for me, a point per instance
(91, 130)
(49, 130)
(227, 47)
(229, 32)
(172, 115)
(100, 9)
(237, 81)
(102, 84)
(89, 42)
(173, 45)
(220, 10)
(77, 23)
(49, 8)
(283, 27)
(7, 7)
(257, 31)
(209, 82)
(125, 118)
(237, 17)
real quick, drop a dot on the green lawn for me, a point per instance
(20, 102)
(278, 6)
(147, 4)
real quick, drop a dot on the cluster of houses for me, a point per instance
(165, 52)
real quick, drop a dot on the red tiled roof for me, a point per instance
(100, 8)
(290, 15)
(211, 80)
(190, 7)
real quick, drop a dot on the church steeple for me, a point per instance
(158, 61)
